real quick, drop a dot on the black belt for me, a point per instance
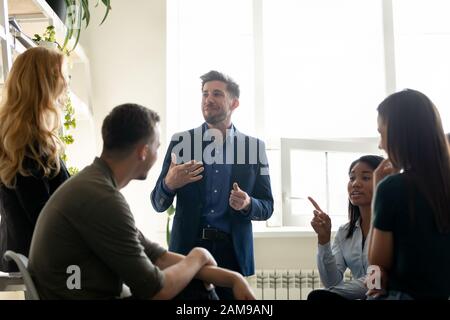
(213, 234)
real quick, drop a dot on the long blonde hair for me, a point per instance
(30, 116)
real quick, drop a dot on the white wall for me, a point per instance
(128, 62)
(286, 253)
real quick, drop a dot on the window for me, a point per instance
(422, 50)
(323, 67)
(204, 35)
(318, 168)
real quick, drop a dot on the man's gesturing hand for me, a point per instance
(239, 200)
(180, 175)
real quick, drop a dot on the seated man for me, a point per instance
(86, 244)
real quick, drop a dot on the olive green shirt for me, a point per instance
(88, 224)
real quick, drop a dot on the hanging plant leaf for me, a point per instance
(107, 3)
(83, 14)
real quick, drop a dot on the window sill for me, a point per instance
(286, 232)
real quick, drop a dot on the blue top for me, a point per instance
(216, 177)
(252, 175)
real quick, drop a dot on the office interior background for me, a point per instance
(311, 72)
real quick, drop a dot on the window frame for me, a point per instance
(287, 145)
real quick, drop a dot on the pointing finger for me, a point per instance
(314, 203)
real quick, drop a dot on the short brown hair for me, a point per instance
(232, 86)
(126, 125)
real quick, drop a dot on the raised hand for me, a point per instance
(321, 223)
(385, 168)
(368, 281)
(239, 200)
(180, 175)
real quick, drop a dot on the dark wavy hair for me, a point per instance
(353, 211)
(416, 143)
(232, 86)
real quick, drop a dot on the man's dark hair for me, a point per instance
(232, 86)
(126, 125)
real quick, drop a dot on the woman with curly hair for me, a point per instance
(30, 148)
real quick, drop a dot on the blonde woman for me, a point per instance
(30, 149)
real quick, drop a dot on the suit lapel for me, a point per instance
(198, 138)
(236, 169)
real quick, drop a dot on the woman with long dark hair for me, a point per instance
(349, 248)
(410, 240)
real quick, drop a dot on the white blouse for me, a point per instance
(345, 253)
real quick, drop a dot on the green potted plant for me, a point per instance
(48, 39)
(77, 12)
(69, 123)
(73, 13)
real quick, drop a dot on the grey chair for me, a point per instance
(22, 263)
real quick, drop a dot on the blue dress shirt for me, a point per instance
(217, 184)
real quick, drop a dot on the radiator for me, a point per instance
(293, 284)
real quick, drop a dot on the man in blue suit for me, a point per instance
(221, 180)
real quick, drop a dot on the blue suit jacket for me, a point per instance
(252, 176)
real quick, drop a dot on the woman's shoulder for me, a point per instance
(32, 167)
(344, 227)
(343, 230)
(392, 182)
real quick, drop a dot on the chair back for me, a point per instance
(22, 263)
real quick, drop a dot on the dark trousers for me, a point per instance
(325, 295)
(223, 252)
(196, 291)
